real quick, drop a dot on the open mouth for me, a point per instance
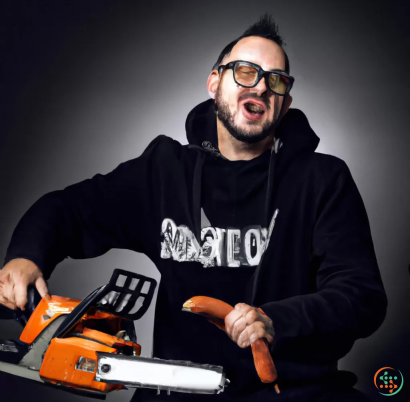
(253, 108)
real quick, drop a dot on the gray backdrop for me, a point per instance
(86, 85)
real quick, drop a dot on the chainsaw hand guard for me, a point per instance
(124, 296)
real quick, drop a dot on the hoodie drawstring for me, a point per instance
(269, 190)
(269, 221)
(197, 193)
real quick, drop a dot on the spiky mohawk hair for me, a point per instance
(265, 28)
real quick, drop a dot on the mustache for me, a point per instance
(250, 96)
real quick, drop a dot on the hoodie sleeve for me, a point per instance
(87, 219)
(350, 301)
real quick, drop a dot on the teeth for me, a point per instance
(254, 108)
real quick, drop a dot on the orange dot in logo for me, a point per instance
(391, 386)
(381, 386)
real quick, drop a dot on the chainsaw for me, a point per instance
(90, 346)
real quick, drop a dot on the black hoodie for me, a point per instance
(286, 231)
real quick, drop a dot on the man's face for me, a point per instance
(231, 98)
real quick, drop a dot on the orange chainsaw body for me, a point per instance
(48, 309)
(61, 359)
(60, 364)
(62, 337)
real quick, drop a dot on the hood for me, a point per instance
(295, 134)
(200, 124)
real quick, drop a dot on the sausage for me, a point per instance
(216, 311)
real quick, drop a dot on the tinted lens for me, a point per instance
(246, 75)
(278, 83)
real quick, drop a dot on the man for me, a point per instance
(247, 213)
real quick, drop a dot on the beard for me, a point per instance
(226, 118)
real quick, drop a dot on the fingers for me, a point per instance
(20, 294)
(245, 324)
(235, 321)
(4, 289)
(15, 277)
(238, 319)
(259, 330)
(41, 286)
(6, 303)
(7, 291)
(252, 333)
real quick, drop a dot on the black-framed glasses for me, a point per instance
(247, 74)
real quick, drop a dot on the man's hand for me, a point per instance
(15, 277)
(245, 324)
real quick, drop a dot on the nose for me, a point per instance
(260, 88)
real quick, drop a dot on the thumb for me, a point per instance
(41, 286)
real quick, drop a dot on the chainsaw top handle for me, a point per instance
(125, 296)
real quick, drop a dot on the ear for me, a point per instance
(212, 83)
(286, 105)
